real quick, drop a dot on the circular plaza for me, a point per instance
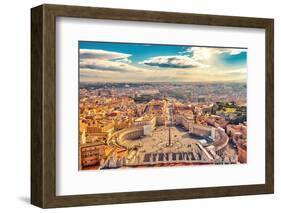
(165, 145)
(179, 140)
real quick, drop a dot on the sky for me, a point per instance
(107, 62)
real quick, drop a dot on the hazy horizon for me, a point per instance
(89, 83)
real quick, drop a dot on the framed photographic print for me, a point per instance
(136, 106)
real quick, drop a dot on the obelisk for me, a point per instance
(170, 136)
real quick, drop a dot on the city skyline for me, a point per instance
(167, 124)
(152, 105)
(106, 62)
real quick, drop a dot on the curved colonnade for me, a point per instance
(135, 132)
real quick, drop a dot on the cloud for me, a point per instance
(124, 60)
(236, 51)
(172, 62)
(202, 57)
(109, 66)
(207, 53)
(93, 59)
(201, 53)
(230, 51)
(102, 54)
(104, 65)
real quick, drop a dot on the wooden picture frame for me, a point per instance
(43, 105)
